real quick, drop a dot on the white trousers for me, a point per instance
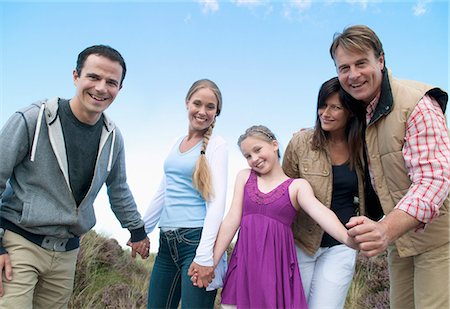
(327, 275)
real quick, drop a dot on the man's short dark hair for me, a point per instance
(104, 51)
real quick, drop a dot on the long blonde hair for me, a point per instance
(201, 177)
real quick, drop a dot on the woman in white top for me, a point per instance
(189, 205)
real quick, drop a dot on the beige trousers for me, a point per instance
(421, 281)
(42, 279)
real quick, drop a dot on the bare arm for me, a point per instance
(226, 232)
(232, 220)
(326, 218)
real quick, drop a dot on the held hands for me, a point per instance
(201, 276)
(142, 247)
(370, 236)
(350, 242)
(5, 267)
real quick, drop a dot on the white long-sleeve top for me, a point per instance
(217, 156)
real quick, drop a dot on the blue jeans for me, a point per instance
(169, 280)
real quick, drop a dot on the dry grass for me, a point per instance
(107, 277)
(370, 285)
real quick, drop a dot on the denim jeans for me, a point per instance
(169, 280)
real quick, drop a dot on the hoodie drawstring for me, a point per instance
(36, 132)
(112, 150)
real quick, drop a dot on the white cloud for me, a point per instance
(296, 8)
(301, 5)
(362, 3)
(209, 6)
(420, 8)
(249, 3)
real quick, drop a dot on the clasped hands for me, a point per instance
(201, 276)
(142, 247)
(370, 237)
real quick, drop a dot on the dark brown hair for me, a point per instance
(355, 125)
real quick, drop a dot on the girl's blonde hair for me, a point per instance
(201, 177)
(260, 131)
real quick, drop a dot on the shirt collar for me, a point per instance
(383, 101)
(370, 108)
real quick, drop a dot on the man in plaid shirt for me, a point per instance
(408, 152)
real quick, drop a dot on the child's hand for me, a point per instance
(201, 276)
(194, 275)
(350, 242)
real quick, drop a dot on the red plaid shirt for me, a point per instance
(427, 158)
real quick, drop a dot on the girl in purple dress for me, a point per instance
(263, 270)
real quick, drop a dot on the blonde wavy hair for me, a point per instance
(201, 177)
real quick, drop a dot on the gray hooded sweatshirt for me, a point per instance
(34, 179)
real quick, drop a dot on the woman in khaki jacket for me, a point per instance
(330, 158)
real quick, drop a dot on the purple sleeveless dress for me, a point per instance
(263, 270)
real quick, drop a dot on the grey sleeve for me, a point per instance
(14, 146)
(120, 196)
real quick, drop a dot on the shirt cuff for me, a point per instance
(422, 211)
(3, 250)
(204, 261)
(138, 234)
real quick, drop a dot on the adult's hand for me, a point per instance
(5, 267)
(201, 276)
(371, 236)
(142, 247)
(374, 237)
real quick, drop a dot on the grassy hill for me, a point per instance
(107, 277)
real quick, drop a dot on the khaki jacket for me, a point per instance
(385, 139)
(300, 161)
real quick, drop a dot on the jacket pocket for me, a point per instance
(40, 211)
(309, 167)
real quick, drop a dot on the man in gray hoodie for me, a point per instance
(55, 156)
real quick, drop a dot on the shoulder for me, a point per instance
(412, 88)
(175, 143)
(410, 85)
(299, 145)
(300, 183)
(109, 124)
(32, 110)
(28, 114)
(302, 137)
(118, 133)
(216, 141)
(243, 175)
(216, 146)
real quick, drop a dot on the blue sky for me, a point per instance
(268, 57)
